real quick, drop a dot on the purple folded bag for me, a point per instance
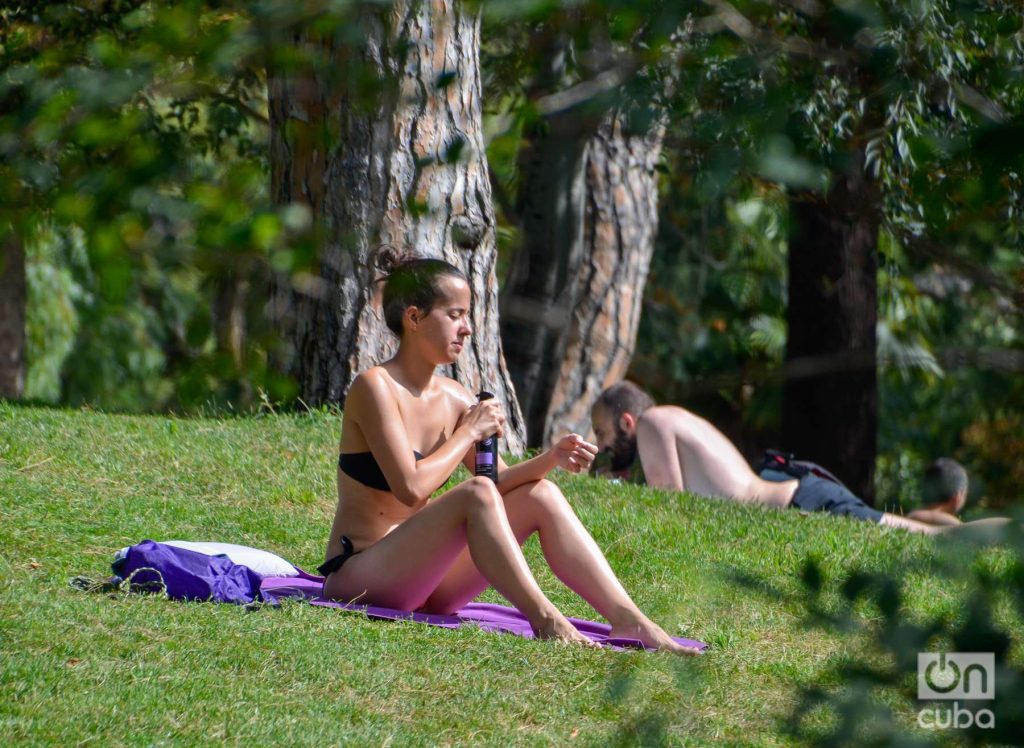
(187, 575)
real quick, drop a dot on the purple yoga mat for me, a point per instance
(487, 616)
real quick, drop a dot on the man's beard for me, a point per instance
(622, 450)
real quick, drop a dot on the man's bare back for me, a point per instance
(681, 451)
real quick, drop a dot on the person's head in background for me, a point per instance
(945, 486)
(614, 417)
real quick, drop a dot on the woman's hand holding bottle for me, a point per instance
(484, 419)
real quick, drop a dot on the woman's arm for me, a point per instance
(372, 405)
(572, 452)
(510, 478)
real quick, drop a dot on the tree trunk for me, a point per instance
(572, 305)
(537, 300)
(12, 317)
(830, 396)
(406, 169)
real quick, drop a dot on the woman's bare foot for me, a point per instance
(557, 627)
(651, 635)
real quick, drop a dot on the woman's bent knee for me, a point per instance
(547, 498)
(544, 487)
(479, 491)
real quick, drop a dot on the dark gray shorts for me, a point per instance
(816, 494)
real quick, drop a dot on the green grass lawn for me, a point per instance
(129, 669)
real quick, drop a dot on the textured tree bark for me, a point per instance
(830, 396)
(12, 317)
(571, 308)
(409, 170)
(620, 226)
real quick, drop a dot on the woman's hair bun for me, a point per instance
(409, 281)
(388, 258)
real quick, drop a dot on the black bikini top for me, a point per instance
(363, 467)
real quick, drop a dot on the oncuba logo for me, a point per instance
(950, 676)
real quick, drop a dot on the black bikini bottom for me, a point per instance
(331, 565)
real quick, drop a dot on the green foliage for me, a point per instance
(713, 326)
(138, 127)
(953, 374)
(53, 322)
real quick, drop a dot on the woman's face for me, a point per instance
(441, 333)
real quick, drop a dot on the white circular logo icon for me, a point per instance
(945, 679)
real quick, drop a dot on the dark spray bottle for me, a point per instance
(487, 450)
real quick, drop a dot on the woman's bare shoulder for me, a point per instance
(372, 374)
(368, 385)
(456, 392)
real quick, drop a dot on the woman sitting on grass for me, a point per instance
(405, 431)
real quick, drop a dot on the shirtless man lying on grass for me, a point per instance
(681, 451)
